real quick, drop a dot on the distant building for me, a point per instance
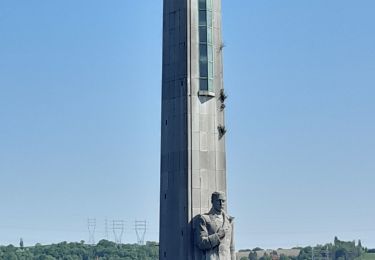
(260, 253)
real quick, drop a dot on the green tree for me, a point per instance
(104, 250)
(253, 255)
(266, 257)
(46, 257)
(21, 243)
(284, 257)
(305, 253)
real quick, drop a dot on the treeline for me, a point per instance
(104, 250)
(339, 250)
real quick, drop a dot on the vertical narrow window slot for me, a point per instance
(206, 53)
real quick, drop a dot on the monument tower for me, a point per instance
(193, 162)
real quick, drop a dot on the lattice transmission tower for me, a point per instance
(106, 233)
(140, 229)
(118, 230)
(91, 226)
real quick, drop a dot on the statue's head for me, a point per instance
(218, 200)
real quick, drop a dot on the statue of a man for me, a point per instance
(214, 231)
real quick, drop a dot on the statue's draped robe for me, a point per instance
(207, 239)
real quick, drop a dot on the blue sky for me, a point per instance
(80, 85)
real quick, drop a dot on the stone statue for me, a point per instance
(214, 231)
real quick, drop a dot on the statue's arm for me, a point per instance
(204, 240)
(232, 248)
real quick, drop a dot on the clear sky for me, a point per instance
(80, 85)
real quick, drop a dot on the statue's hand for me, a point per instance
(221, 233)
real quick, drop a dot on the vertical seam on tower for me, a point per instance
(190, 172)
(189, 110)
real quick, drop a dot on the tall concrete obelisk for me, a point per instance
(192, 124)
